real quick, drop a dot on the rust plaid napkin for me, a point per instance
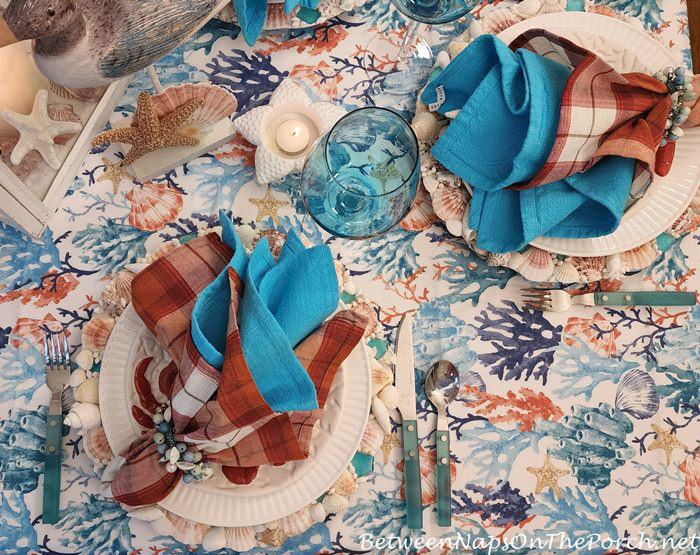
(233, 425)
(603, 112)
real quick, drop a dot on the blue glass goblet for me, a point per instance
(360, 178)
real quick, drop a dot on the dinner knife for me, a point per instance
(406, 384)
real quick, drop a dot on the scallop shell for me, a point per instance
(372, 439)
(89, 94)
(275, 240)
(565, 272)
(186, 531)
(214, 539)
(274, 537)
(641, 257)
(87, 392)
(317, 512)
(296, 523)
(241, 538)
(122, 283)
(528, 8)
(63, 112)
(28, 163)
(153, 205)
(421, 215)
(218, 103)
(389, 396)
(374, 326)
(427, 125)
(381, 413)
(590, 268)
(83, 416)
(537, 265)
(450, 203)
(85, 359)
(347, 483)
(613, 266)
(498, 20)
(551, 6)
(96, 333)
(96, 446)
(498, 259)
(469, 382)
(381, 376)
(336, 504)
(636, 395)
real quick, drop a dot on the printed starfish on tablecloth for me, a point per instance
(114, 173)
(547, 476)
(665, 440)
(37, 131)
(268, 206)
(151, 133)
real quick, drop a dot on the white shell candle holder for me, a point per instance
(285, 130)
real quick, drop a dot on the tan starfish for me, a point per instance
(390, 441)
(149, 133)
(268, 206)
(114, 173)
(547, 476)
(384, 172)
(666, 441)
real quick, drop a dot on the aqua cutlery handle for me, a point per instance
(646, 298)
(52, 469)
(444, 482)
(411, 470)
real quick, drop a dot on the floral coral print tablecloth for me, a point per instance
(533, 383)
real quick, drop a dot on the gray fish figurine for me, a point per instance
(88, 43)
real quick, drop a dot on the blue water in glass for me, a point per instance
(432, 12)
(360, 179)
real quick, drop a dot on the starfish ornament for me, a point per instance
(384, 172)
(390, 441)
(547, 476)
(149, 132)
(287, 98)
(268, 206)
(37, 131)
(114, 173)
(666, 441)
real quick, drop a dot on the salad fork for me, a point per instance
(57, 355)
(556, 300)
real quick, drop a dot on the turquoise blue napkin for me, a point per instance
(283, 302)
(253, 13)
(509, 105)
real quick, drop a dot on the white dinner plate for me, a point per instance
(277, 491)
(626, 48)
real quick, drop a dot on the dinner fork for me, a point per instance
(57, 356)
(556, 300)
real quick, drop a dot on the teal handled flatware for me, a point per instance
(406, 384)
(555, 300)
(441, 387)
(57, 374)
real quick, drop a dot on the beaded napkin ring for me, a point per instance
(682, 93)
(175, 454)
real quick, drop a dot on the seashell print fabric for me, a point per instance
(608, 396)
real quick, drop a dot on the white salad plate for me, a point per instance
(277, 491)
(626, 48)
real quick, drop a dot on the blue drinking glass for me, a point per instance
(360, 178)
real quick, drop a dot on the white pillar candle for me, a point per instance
(292, 136)
(20, 80)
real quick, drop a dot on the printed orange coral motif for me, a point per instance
(153, 205)
(524, 407)
(691, 468)
(428, 474)
(54, 288)
(597, 332)
(237, 149)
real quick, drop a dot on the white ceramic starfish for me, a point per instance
(254, 126)
(37, 131)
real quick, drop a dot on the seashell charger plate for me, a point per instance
(655, 215)
(277, 491)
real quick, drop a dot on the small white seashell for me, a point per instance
(454, 226)
(85, 359)
(83, 416)
(613, 265)
(296, 523)
(566, 272)
(389, 396)
(528, 8)
(372, 438)
(350, 287)
(182, 465)
(88, 391)
(500, 19)
(381, 413)
(442, 59)
(452, 114)
(537, 265)
(153, 242)
(450, 203)
(241, 538)
(77, 377)
(334, 503)
(163, 526)
(475, 29)
(347, 483)
(430, 183)
(173, 455)
(317, 512)
(148, 513)
(455, 48)
(381, 376)
(515, 261)
(167, 414)
(426, 126)
(214, 539)
(247, 235)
